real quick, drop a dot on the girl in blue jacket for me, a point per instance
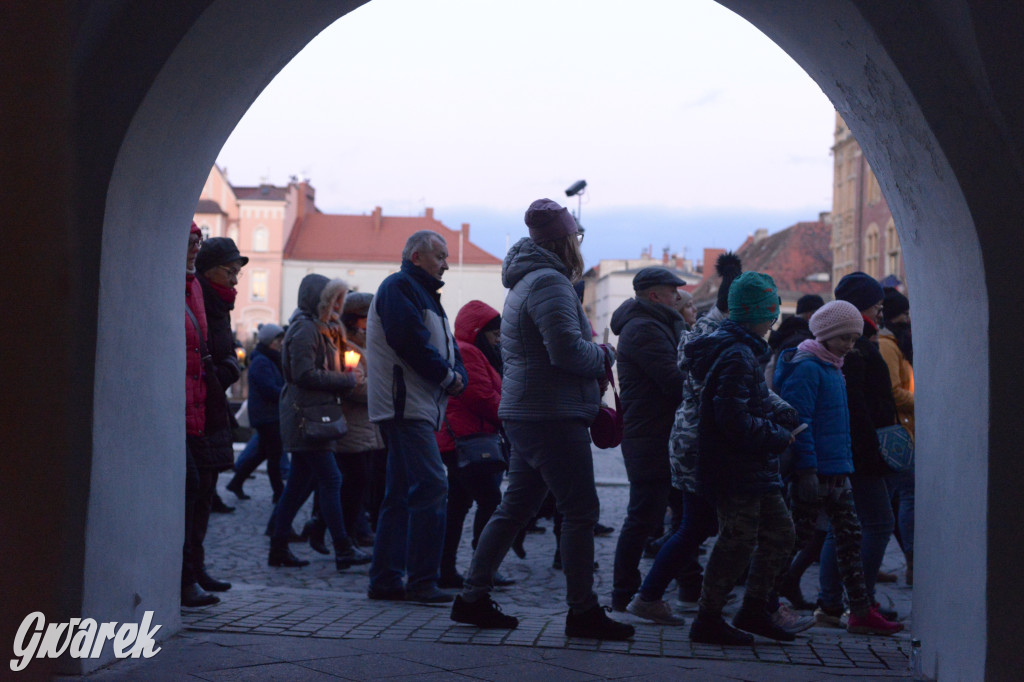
(809, 377)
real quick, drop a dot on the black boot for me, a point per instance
(212, 584)
(193, 595)
(282, 556)
(219, 507)
(235, 486)
(317, 531)
(595, 624)
(753, 617)
(352, 556)
(789, 588)
(712, 629)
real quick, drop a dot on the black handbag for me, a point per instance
(479, 450)
(323, 422)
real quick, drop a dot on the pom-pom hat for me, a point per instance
(836, 318)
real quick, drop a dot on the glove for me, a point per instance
(609, 352)
(807, 486)
(788, 418)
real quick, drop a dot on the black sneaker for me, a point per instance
(595, 624)
(708, 629)
(482, 613)
(600, 530)
(756, 619)
(386, 594)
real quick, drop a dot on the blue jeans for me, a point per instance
(309, 469)
(249, 458)
(545, 455)
(871, 500)
(410, 528)
(677, 558)
(901, 496)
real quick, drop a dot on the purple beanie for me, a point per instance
(549, 221)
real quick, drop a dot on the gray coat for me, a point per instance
(551, 366)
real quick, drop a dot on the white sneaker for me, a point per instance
(825, 619)
(658, 611)
(791, 621)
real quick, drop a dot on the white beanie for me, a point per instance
(836, 318)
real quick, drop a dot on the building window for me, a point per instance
(871, 251)
(233, 233)
(205, 229)
(259, 285)
(260, 239)
(893, 249)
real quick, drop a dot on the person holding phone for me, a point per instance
(809, 377)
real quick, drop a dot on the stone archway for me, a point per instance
(153, 93)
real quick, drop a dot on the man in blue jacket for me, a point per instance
(413, 365)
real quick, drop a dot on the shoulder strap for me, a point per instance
(199, 331)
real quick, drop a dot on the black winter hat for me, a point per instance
(729, 267)
(860, 289)
(894, 304)
(218, 251)
(809, 303)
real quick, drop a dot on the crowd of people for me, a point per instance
(397, 426)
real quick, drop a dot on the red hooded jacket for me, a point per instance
(476, 410)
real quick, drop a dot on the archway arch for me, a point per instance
(923, 116)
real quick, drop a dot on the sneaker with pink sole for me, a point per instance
(872, 623)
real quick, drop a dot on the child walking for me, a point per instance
(740, 435)
(809, 378)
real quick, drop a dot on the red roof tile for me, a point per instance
(789, 256)
(325, 237)
(209, 207)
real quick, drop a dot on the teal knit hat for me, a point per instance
(753, 298)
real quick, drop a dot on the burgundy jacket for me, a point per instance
(475, 410)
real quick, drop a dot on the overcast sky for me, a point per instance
(690, 127)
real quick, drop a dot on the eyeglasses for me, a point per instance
(579, 237)
(232, 272)
(195, 242)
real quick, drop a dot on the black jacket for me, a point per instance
(869, 394)
(214, 450)
(739, 439)
(650, 383)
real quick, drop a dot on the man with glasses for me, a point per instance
(218, 266)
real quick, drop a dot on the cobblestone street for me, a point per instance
(269, 607)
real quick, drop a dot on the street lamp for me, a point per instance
(576, 189)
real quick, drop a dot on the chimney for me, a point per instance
(465, 231)
(377, 218)
(759, 234)
(664, 256)
(429, 213)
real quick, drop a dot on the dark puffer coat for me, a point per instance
(650, 383)
(265, 384)
(214, 449)
(310, 363)
(869, 393)
(551, 365)
(739, 439)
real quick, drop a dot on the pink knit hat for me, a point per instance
(836, 318)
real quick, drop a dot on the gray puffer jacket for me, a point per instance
(551, 365)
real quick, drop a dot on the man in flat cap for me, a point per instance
(649, 327)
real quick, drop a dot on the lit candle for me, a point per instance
(351, 359)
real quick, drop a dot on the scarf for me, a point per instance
(227, 294)
(819, 351)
